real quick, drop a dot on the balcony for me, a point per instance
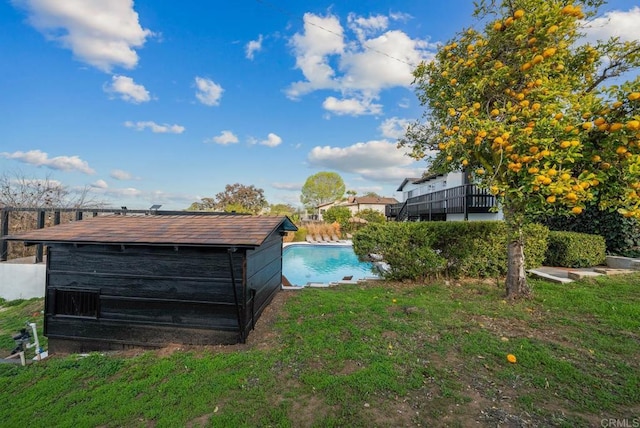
(465, 199)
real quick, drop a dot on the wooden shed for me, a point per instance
(120, 280)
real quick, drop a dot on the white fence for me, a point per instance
(22, 280)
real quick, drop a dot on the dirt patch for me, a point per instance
(200, 421)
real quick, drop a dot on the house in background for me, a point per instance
(443, 197)
(124, 280)
(359, 203)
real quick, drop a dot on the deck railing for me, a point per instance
(464, 199)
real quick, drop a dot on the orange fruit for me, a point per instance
(634, 125)
(518, 14)
(576, 210)
(551, 199)
(634, 96)
(567, 10)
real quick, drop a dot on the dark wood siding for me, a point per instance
(264, 273)
(147, 295)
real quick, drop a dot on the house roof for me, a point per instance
(405, 182)
(189, 230)
(374, 200)
(423, 179)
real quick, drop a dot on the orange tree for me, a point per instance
(521, 106)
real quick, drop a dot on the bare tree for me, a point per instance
(19, 191)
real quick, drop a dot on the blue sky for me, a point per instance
(163, 102)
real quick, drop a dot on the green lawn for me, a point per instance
(380, 354)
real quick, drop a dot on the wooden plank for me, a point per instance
(162, 262)
(168, 313)
(125, 333)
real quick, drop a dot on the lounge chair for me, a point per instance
(310, 239)
(326, 238)
(319, 238)
(335, 238)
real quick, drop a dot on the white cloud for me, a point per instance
(374, 160)
(359, 69)
(119, 174)
(387, 61)
(155, 128)
(394, 128)
(367, 26)
(287, 186)
(351, 106)
(400, 16)
(103, 34)
(127, 89)
(40, 158)
(253, 46)
(208, 92)
(272, 140)
(322, 36)
(404, 103)
(100, 184)
(226, 137)
(616, 23)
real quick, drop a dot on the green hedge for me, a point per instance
(621, 234)
(300, 235)
(573, 249)
(471, 249)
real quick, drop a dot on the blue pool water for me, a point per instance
(322, 263)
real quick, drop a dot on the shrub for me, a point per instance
(299, 235)
(337, 214)
(406, 248)
(371, 215)
(573, 249)
(622, 235)
(472, 249)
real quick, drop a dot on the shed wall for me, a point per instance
(264, 273)
(145, 295)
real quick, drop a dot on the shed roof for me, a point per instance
(210, 230)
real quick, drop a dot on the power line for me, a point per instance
(364, 45)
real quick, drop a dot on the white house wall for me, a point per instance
(22, 281)
(476, 216)
(453, 179)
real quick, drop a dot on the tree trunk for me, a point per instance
(516, 283)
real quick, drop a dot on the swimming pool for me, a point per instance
(324, 263)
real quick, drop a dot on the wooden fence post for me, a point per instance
(4, 245)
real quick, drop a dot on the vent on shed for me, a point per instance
(76, 303)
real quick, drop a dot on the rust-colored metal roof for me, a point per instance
(192, 230)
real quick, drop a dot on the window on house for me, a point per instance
(410, 193)
(76, 303)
